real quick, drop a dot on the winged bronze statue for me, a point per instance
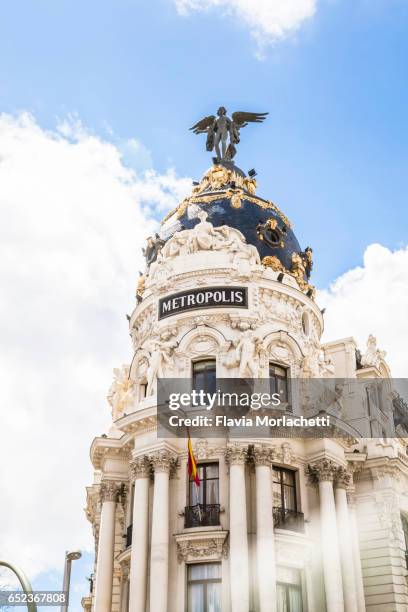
(219, 127)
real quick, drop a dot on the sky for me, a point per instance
(96, 99)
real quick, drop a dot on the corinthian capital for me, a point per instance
(163, 461)
(263, 455)
(140, 467)
(343, 478)
(322, 470)
(109, 491)
(236, 454)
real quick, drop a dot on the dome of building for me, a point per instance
(228, 197)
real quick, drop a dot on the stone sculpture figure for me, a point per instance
(247, 350)
(219, 128)
(205, 237)
(122, 391)
(160, 356)
(373, 355)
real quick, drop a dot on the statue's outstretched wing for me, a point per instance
(201, 127)
(241, 119)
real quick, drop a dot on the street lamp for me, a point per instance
(69, 558)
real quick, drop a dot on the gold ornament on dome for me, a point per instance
(212, 197)
(235, 198)
(271, 261)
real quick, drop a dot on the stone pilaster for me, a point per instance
(342, 482)
(236, 455)
(265, 537)
(109, 495)
(140, 470)
(163, 463)
(323, 473)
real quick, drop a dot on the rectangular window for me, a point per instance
(204, 501)
(278, 376)
(289, 598)
(204, 587)
(284, 489)
(285, 514)
(204, 375)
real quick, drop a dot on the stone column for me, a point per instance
(345, 540)
(358, 572)
(324, 472)
(239, 564)
(265, 537)
(124, 591)
(162, 463)
(109, 493)
(140, 471)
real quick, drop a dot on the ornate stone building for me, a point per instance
(299, 524)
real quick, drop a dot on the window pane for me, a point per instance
(289, 498)
(295, 599)
(288, 477)
(196, 598)
(214, 597)
(277, 495)
(211, 470)
(281, 598)
(196, 494)
(277, 475)
(204, 571)
(212, 496)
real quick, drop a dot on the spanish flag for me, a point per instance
(192, 466)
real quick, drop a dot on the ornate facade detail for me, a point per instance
(212, 546)
(373, 356)
(236, 454)
(343, 478)
(263, 455)
(163, 461)
(121, 395)
(322, 470)
(140, 467)
(205, 237)
(109, 491)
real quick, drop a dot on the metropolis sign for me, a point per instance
(209, 297)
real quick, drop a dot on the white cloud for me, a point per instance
(268, 20)
(372, 299)
(73, 219)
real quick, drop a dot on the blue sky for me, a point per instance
(332, 153)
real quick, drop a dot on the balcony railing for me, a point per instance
(129, 536)
(288, 519)
(202, 515)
